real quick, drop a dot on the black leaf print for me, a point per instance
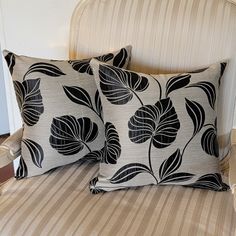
(112, 147)
(222, 70)
(177, 82)
(36, 152)
(93, 188)
(222, 66)
(11, 61)
(105, 58)
(29, 100)
(45, 68)
(128, 172)
(83, 66)
(22, 170)
(198, 71)
(94, 155)
(177, 177)
(69, 135)
(120, 58)
(157, 122)
(209, 89)
(119, 86)
(98, 105)
(209, 142)
(196, 113)
(78, 95)
(210, 182)
(170, 165)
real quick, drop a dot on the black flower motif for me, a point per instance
(112, 147)
(44, 68)
(78, 95)
(171, 165)
(222, 70)
(93, 188)
(209, 89)
(81, 96)
(22, 170)
(120, 58)
(29, 100)
(69, 135)
(177, 82)
(105, 58)
(211, 182)
(128, 172)
(36, 152)
(94, 155)
(83, 66)
(120, 86)
(11, 61)
(157, 122)
(209, 141)
(196, 113)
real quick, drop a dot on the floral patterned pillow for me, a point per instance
(60, 108)
(159, 129)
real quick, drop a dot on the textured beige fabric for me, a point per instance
(60, 109)
(232, 1)
(232, 169)
(59, 203)
(10, 148)
(166, 35)
(161, 133)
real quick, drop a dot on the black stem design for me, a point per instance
(187, 144)
(154, 177)
(137, 97)
(99, 115)
(149, 155)
(87, 146)
(159, 85)
(150, 162)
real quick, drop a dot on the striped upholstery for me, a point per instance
(166, 35)
(59, 203)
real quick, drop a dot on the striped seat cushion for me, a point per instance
(59, 203)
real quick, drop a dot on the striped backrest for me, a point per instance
(166, 35)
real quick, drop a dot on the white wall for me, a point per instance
(34, 28)
(4, 123)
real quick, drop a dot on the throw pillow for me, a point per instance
(60, 108)
(159, 129)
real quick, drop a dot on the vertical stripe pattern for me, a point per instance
(166, 35)
(59, 203)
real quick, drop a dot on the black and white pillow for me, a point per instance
(60, 108)
(159, 129)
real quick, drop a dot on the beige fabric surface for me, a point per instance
(57, 99)
(232, 1)
(152, 136)
(59, 203)
(232, 167)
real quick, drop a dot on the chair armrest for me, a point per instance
(10, 149)
(232, 172)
